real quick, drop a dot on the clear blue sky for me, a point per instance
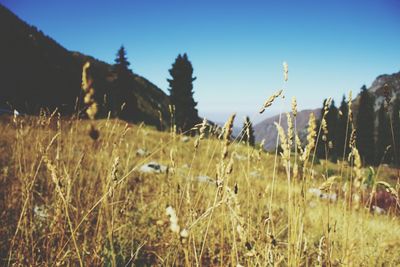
(236, 47)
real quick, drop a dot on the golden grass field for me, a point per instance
(66, 200)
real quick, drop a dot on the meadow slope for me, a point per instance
(68, 200)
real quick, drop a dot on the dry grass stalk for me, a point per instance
(350, 102)
(290, 131)
(286, 141)
(324, 124)
(294, 107)
(88, 89)
(285, 71)
(352, 142)
(357, 167)
(298, 151)
(327, 104)
(89, 100)
(327, 185)
(171, 169)
(227, 133)
(324, 127)
(247, 125)
(260, 149)
(298, 144)
(202, 132)
(271, 100)
(312, 134)
(65, 200)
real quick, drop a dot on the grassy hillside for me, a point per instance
(68, 200)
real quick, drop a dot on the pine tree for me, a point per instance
(365, 127)
(395, 115)
(181, 93)
(343, 130)
(384, 136)
(332, 122)
(121, 65)
(123, 99)
(248, 132)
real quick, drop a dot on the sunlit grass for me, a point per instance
(67, 198)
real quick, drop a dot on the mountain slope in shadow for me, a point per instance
(36, 72)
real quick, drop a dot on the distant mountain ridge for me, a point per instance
(37, 72)
(267, 130)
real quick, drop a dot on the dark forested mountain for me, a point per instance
(36, 72)
(377, 89)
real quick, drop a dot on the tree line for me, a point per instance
(377, 134)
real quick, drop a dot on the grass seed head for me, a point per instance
(349, 104)
(327, 185)
(87, 87)
(298, 144)
(324, 126)
(285, 71)
(284, 144)
(270, 100)
(312, 133)
(290, 130)
(86, 78)
(294, 107)
(227, 131)
(357, 167)
(202, 130)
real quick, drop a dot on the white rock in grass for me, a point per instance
(255, 174)
(315, 192)
(332, 197)
(378, 210)
(312, 204)
(240, 157)
(153, 167)
(318, 193)
(141, 152)
(184, 233)
(204, 179)
(185, 166)
(185, 139)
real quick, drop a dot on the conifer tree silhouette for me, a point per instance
(384, 136)
(122, 98)
(365, 127)
(181, 93)
(248, 132)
